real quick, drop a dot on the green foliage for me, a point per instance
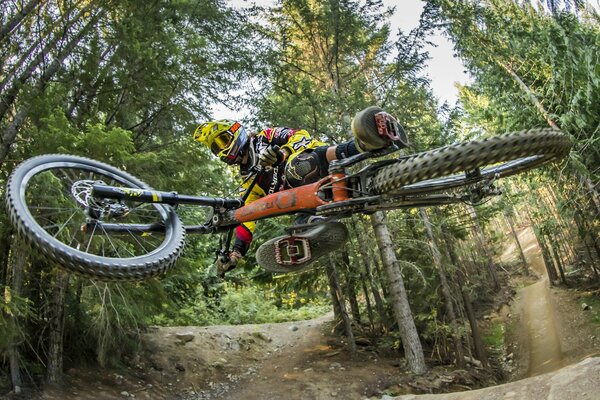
(242, 305)
(537, 67)
(493, 336)
(12, 308)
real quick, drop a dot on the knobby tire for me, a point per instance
(37, 200)
(431, 171)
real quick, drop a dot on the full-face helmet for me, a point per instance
(226, 139)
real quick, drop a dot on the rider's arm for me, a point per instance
(291, 141)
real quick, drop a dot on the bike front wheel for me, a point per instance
(464, 164)
(49, 202)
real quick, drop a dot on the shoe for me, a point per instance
(375, 129)
(303, 218)
(296, 252)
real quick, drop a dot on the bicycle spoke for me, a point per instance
(137, 241)
(50, 198)
(57, 209)
(87, 249)
(57, 196)
(64, 224)
(110, 242)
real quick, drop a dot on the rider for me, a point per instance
(288, 157)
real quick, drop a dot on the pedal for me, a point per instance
(293, 253)
(292, 250)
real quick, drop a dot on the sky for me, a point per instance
(443, 69)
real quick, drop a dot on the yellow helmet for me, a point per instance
(225, 138)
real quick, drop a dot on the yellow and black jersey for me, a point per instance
(270, 181)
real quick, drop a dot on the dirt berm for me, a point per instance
(575, 382)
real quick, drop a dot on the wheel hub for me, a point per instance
(96, 208)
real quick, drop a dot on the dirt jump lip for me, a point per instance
(570, 382)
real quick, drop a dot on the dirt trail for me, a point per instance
(553, 343)
(291, 360)
(553, 331)
(538, 315)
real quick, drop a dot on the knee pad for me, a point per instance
(305, 168)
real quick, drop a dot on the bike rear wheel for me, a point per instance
(49, 202)
(436, 171)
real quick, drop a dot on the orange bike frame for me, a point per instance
(293, 200)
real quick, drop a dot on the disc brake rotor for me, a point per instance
(82, 192)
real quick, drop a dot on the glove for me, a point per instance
(228, 262)
(271, 156)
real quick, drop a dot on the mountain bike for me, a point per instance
(99, 221)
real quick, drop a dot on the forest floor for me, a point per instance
(303, 360)
(292, 360)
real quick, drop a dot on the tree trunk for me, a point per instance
(19, 259)
(5, 245)
(561, 270)
(548, 262)
(511, 223)
(11, 93)
(11, 133)
(530, 94)
(333, 279)
(363, 280)
(54, 368)
(17, 18)
(437, 261)
(584, 233)
(413, 350)
(335, 301)
(550, 199)
(351, 288)
(460, 277)
(592, 263)
(595, 244)
(383, 315)
(478, 231)
(375, 265)
(594, 197)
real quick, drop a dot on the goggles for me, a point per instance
(221, 142)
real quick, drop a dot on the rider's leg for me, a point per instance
(303, 248)
(373, 129)
(306, 244)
